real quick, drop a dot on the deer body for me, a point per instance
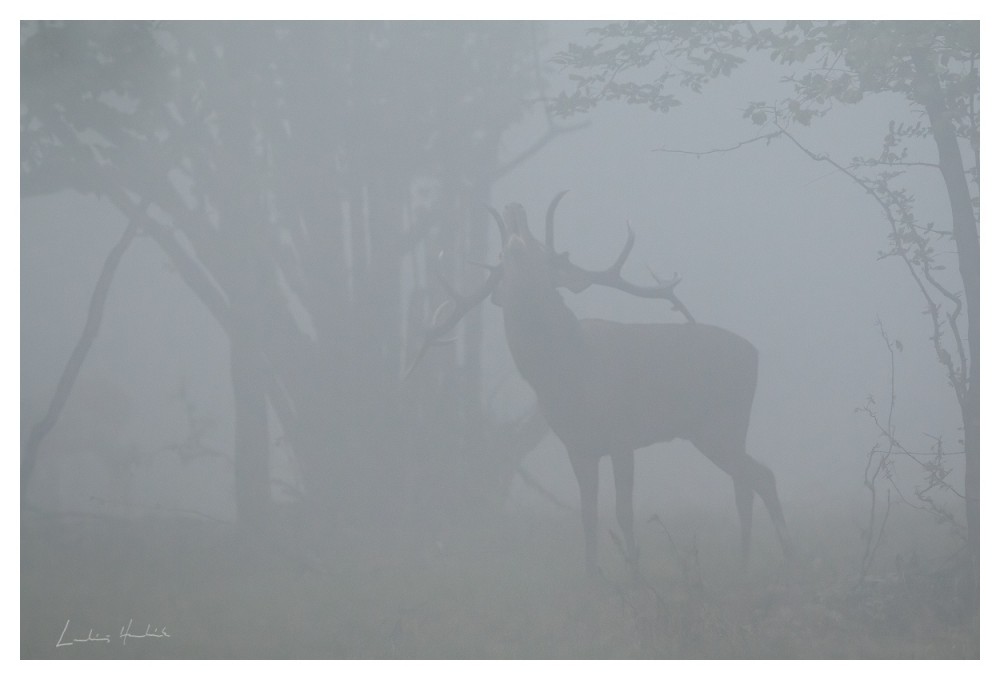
(634, 385)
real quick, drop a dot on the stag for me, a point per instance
(609, 388)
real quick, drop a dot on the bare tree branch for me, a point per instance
(550, 134)
(98, 300)
(746, 142)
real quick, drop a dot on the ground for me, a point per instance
(510, 587)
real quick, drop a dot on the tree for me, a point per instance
(932, 65)
(301, 179)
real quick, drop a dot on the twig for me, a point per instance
(746, 142)
(636, 573)
(869, 556)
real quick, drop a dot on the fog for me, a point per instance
(240, 462)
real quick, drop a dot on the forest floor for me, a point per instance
(513, 587)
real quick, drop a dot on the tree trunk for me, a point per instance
(966, 234)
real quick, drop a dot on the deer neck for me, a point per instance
(545, 340)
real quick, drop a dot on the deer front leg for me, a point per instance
(744, 507)
(586, 468)
(623, 465)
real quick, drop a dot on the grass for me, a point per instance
(510, 587)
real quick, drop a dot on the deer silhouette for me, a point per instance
(608, 388)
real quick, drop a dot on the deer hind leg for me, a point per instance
(761, 480)
(763, 483)
(586, 468)
(749, 477)
(623, 465)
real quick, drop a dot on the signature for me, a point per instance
(125, 634)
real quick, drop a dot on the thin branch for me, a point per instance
(958, 377)
(932, 307)
(900, 450)
(734, 147)
(921, 453)
(550, 134)
(98, 300)
(871, 163)
(869, 557)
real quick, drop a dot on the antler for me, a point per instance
(579, 279)
(612, 278)
(460, 304)
(550, 221)
(575, 277)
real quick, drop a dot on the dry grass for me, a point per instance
(512, 589)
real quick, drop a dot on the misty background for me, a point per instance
(306, 176)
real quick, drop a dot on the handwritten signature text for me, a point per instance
(125, 634)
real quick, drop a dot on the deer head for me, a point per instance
(535, 266)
